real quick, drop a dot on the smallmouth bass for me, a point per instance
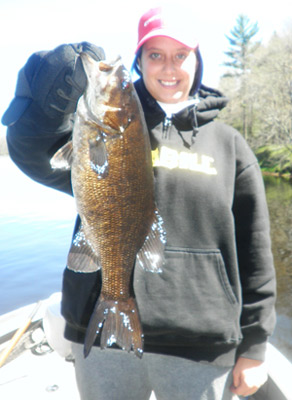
(113, 186)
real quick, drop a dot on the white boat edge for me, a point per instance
(279, 367)
(12, 320)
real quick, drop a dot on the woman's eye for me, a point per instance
(154, 56)
(181, 56)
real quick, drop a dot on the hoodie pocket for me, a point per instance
(191, 298)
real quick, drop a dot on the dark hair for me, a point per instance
(135, 64)
(198, 75)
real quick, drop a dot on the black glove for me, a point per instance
(53, 81)
(57, 78)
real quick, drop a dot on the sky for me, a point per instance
(34, 25)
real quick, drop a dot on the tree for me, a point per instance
(241, 49)
(272, 79)
(241, 44)
(269, 96)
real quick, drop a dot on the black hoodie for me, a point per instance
(215, 297)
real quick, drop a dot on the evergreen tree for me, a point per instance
(241, 45)
(239, 53)
(268, 101)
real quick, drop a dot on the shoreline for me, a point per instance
(284, 175)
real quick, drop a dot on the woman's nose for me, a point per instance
(169, 66)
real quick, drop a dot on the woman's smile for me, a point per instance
(168, 68)
(168, 83)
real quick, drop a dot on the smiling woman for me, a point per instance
(168, 69)
(207, 316)
(168, 56)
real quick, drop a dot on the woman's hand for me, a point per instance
(248, 376)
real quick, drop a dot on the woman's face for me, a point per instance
(168, 69)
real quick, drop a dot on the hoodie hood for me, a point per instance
(208, 104)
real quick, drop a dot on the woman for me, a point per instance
(207, 317)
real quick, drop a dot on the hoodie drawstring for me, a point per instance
(167, 123)
(186, 144)
(194, 121)
(166, 126)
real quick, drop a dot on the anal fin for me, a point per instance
(151, 255)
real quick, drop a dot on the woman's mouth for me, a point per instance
(168, 83)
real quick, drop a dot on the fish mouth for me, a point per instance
(86, 48)
(104, 65)
(108, 113)
(107, 66)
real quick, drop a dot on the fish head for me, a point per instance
(110, 95)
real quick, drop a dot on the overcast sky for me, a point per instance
(33, 25)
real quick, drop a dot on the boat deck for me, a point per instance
(35, 377)
(35, 371)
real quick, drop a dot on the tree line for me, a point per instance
(258, 82)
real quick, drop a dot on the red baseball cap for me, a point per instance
(165, 22)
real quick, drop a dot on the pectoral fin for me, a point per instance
(81, 257)
(63, 157)
(151, 255)
(98, 156)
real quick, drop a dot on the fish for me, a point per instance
(113, 186)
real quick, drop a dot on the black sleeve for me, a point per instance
(54, 80)
(255, 258)
(40, 117)
(31, 145)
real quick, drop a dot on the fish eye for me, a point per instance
(125, 84)
(125, 80)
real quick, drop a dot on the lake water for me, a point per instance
(36, 225)
(35, 234)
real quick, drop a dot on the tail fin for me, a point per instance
(120, 324)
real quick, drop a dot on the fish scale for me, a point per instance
(113, 186)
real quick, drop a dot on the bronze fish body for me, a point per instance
(113, 186)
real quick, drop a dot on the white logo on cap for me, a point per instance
(151, 19)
